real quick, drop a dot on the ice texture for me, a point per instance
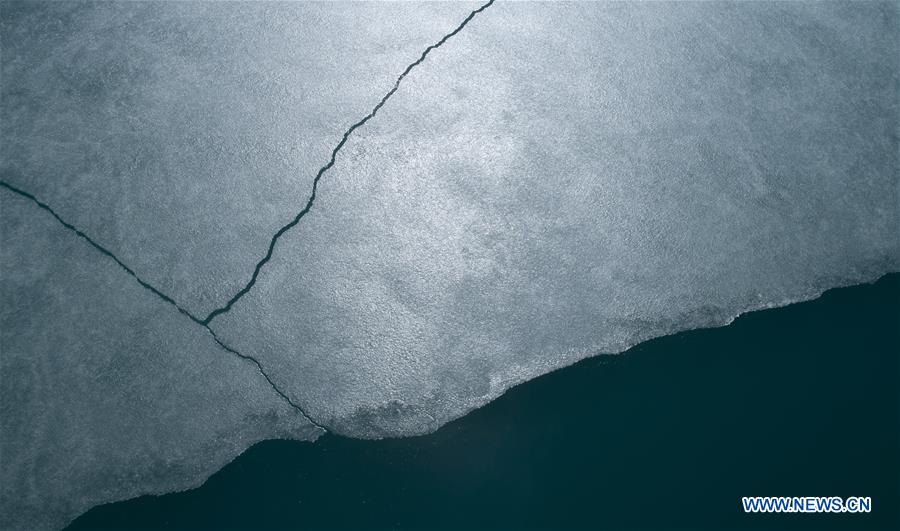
(554, 182)
(182, 134)
(564, 180)
(107, 393)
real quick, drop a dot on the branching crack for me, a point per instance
(161, 295)
(204, 322)
(309, 203)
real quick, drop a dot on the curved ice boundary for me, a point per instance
(561, 181)
(571, 179)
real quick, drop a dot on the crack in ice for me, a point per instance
(259, 265)
(146, 285)
(205, 322)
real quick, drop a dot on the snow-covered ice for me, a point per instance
(555, 181)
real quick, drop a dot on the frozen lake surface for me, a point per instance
(546, 182)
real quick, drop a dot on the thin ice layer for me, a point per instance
(565, 180)
(181, 135)
(106, 392)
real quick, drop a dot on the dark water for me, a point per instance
(798, 401)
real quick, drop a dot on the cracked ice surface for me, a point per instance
(181, 134)
(555, 182)
(107, 392)
(564, 180)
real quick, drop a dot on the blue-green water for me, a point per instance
(797, 401)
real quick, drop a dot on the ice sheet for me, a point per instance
(567, 180)
(556, 181)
